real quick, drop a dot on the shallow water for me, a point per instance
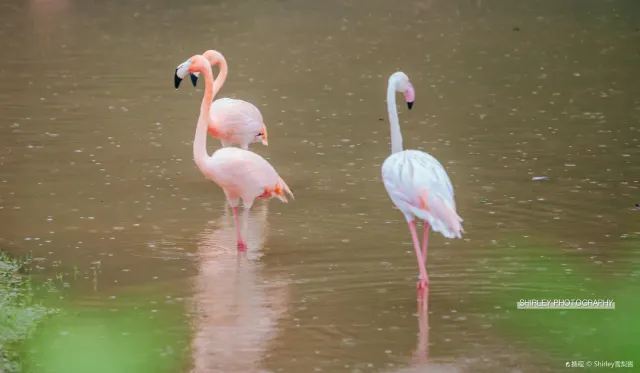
(96, 173)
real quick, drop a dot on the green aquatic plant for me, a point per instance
(131, 333)
(536, 272)
(128, 333)
(19, 312)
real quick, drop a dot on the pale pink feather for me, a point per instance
(237, 121)
(246, 175)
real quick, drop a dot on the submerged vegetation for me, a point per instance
(548, 272)
(138, 333)
(19, 312)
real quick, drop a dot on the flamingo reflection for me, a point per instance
(422, 350)
(237, 306)
(421, 362)
(49, 15)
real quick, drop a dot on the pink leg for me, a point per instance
(425, 241)
(241, 245)
(423, 282)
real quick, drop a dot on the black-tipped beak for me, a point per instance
(410, 105)
(176, 79)
(194, 79)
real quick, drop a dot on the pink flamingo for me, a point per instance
(417, 183)
(240, 173)
(231, 121)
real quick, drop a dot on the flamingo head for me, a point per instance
(403, 85)
(214, 57)
(262, 136)
(192, 66)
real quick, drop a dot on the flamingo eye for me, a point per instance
(260, 134)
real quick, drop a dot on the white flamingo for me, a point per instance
(417, 183)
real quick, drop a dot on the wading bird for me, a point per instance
(240, 173)
(417, 183)
(231, 121)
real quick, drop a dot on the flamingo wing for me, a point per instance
(419, 186)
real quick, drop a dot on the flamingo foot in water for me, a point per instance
(423, 279)
(242, 246)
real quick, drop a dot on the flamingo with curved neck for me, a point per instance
(240, 173)
(216, 58)
(231, 121)
(417, 183)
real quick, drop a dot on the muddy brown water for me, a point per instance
(96, 165)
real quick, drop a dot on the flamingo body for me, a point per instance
(235, 121)
(245, 175)
(419, 187)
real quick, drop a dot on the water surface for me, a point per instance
(97, 172)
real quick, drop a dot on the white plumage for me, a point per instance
(417, 183)
(414, 179)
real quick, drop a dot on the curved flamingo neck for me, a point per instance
(216, 58)
(396, 135)
(200, 155)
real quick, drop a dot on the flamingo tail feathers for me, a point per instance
(440, 214)
(281, 190)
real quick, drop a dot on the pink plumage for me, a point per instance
(232, 121)
(237, 122)
(245, 175)
(240, 173)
